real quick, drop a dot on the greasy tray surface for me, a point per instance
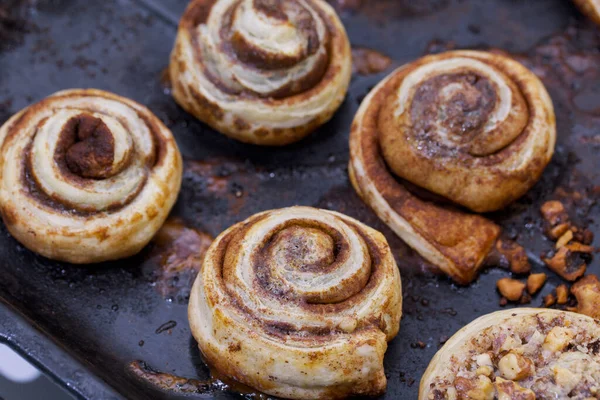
(101, 314)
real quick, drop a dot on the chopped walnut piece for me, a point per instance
(509, 343)
(564, 239)
(554, 212)
(562, 294)
(509, 390)
(535, 282)
(514, 255)
(577, 247)
(515, 367)
(480, 389)
(587, 293)
(549, 300)
(512, 289)
(557, 339)
(525, 298)
(558, 230)
(565, 378)
(566, 264)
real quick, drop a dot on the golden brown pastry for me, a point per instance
(591, 8)
(523, 354)
(260, 71)
(471, 127)
(298, 303)
(86, 176)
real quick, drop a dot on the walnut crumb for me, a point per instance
(535, 282)
(549, 300)
(564, 239)
(566, 264)
(562, 294)
(554, 212)
(587, 293)
(512, 289)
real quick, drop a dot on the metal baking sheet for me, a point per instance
(85, 325)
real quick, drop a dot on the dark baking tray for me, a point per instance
(84, 325)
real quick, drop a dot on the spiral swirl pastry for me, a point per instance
(523, 354)
(471, 127)
(591, 8)
(266, 72)
(86, 176)
(298, 303)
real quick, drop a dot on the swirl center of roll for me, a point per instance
(88, 145)
(461, 103)
(273, 34)
(302, 249)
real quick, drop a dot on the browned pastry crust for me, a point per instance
(298, 303)
(86, 176)
(473, 127)
(591, 8)
(259, 71)
(520, 354)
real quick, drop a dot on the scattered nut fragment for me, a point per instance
(514, 255)
(479, 389)
(549, 300)
(525, 298)
(512, 289)
(554, 212)
(515, 367)
(558, 230)
(535, 282)
(509, 390)
(566, 264)
(587, 293)
(585, 236)
(577, 247)
(564, 239)
(562, 294)
(557, 339)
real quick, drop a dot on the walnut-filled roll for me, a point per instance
(260, 71)
(471, 127)
(591, 8)
(86, 176)
(298, 303)
(523, 354)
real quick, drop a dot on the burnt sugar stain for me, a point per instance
(15, 22)
(176, 258)
(170, 382)
(367, 61)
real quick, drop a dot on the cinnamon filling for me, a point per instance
(461, 103)
(87, 147)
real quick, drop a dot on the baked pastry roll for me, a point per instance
(471, 127)
(86, 176)
(591, 8)
(260, 71)
(298, 303)
(524, 354)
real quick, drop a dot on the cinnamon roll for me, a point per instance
(471, 127)
(86, 176)
(522, 353)
(298, 303)
(261, 71)
(591, 8)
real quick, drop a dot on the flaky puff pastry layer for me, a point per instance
(473, 127)
(591, 8)
(522, 353)
(298, 303)
(261, 72)
(86, 176)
